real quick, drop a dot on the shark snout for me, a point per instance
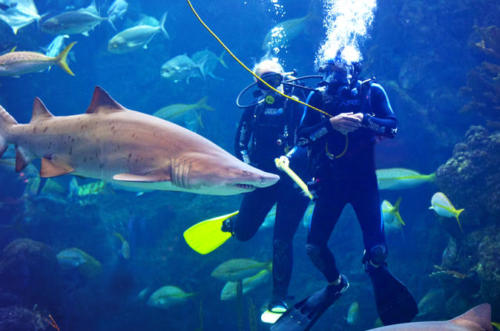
(267, 179)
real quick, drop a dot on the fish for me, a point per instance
(476, 319)
(168, 296)
(271, 216)
(209, 61)
(56, 45)
(127, 148)
(81, 191)
(124, 247)
(400, 178)
(78, 21)
(75, 258)
(283, 33)
(390, 215)
(117, 9)
(136, 37)
(181, 67)
(19, 63)
(248, 284)
(443, 207)
(238, 269)
(353, 314)
(19, 13)
(431, 302)
(442, 271)
(183, 113)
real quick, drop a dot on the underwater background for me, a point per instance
(439, 62)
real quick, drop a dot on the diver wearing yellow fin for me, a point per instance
(266, 131)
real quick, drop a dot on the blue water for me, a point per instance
(416, 49)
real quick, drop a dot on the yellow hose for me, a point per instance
(283, 164)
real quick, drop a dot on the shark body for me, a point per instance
(127, 148)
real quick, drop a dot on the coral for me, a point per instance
(29, 269)
(21, 319)
(471, 179)
(488, 267)
(483, 81)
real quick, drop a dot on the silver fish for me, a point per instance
(127, 148)
(209, 61)
(117, 9)
(56, 45)
(18, 13)
(181, 67)
(74, 22)
(136, 37)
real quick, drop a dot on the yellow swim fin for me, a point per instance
(207, 236)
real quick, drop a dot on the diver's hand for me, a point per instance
(346, 122)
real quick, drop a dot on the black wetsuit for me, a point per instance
(350, 178)
(266, 132)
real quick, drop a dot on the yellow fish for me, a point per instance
(390, 214)
(353, 313)
(400, 178)
(443, 207)
(19, 63)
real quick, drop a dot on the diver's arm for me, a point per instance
(383, 120)
(243, 135)
(312, 127)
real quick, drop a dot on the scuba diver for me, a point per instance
(342, 159)
(266, 131)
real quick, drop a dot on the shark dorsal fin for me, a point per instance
(102, 102)
(40, 112)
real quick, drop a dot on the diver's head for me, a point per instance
(270, 71)
(340, 70)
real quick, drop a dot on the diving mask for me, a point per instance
(272, 78)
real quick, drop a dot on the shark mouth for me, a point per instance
(245, 186)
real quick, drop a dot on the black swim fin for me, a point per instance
(395, 304)
(304, 314)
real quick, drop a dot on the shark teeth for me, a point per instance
(245, 186)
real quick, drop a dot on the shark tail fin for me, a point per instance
(6, 121)
(479, 315)
(162, 25)
(203, 104)
(458, 220)
(62, 57)
(396, 211)
(207, 236)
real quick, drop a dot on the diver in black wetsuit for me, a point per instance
(341, 150)
(267, 131)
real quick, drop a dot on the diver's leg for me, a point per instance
(326, 213)
(253, 210)
(290, 209)
(365, 200)
(395, 304)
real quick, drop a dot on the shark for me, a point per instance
(475, 319)
(127, 148)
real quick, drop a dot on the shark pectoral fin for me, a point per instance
(147, 178)
(52, 169)
(22, 159)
